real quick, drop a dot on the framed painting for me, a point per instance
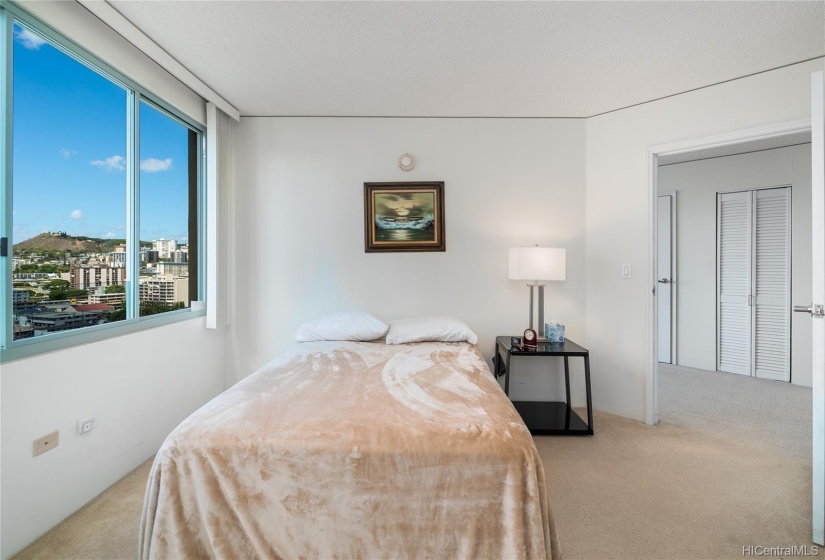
(404, 217)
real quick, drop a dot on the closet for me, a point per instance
(753, 283)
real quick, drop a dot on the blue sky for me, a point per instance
(69, 147)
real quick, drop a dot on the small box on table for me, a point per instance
(554, 332)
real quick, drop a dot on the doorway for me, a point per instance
(766, 137)
(749, 236)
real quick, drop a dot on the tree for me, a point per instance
(57, 285)
(66, 294)
(116, 315)
(59, 289)
(154, 307)
(115, 289)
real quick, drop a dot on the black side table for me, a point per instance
(548, 418)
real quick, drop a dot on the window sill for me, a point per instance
(61, 341)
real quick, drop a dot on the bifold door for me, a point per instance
(754, 283)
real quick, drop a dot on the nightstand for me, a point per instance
(548, 418)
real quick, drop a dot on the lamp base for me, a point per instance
(540, 330)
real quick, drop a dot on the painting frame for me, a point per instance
(427, 195)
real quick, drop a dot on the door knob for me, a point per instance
(664, 281)
(814, 309)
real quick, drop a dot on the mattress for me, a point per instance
(353, 450)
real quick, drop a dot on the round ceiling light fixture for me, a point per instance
(406, 162)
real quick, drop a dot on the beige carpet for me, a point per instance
(104, 529)
(727, 467)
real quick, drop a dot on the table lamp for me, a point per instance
(535, 264)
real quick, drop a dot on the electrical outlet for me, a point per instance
(45, 443)
(86, 424)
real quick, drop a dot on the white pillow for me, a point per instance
(430, 329)
(347, 325)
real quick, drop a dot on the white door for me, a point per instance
(818, 289)
(664, 257)
(734, 223)
(754, 283)
(771, 292)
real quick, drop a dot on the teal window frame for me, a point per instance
(11, 350)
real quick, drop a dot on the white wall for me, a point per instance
(618, 212)
(697, 183)
(140, 386)
(300, 218)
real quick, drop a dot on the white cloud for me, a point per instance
(76, 214)
(152, 165)
(115, 162)
(109, 235)
(149, 165)
(67, 153)
(29, 40)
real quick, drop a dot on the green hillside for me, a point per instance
(61, 242)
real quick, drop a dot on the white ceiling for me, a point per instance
(459, 59)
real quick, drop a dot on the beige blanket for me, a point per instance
(353, 450)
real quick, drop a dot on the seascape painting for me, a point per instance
(404, 217)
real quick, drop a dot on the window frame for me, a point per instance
(11, 350)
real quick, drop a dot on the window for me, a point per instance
(101, 196)
(168, 190)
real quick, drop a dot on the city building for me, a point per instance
(164, 247)
(37, 319)
(89, 307)
(164, 288)
(47, 323)
(115, 258)
(19, 296)
(115, 300)
(86, 277)
(21, 332)
(181, 255)
(35, 275)
(173, 268)
(148, 256)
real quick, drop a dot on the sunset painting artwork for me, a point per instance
(404, 217)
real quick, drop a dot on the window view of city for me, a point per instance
(164, 201)
(69, 193)
(55, 290)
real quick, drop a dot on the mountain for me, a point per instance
(64, 243)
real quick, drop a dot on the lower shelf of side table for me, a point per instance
(551, 419)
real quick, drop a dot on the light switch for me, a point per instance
(626, 270)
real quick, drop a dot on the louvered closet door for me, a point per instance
(734, 228)
(772, 280)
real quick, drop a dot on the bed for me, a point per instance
(353, 450)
